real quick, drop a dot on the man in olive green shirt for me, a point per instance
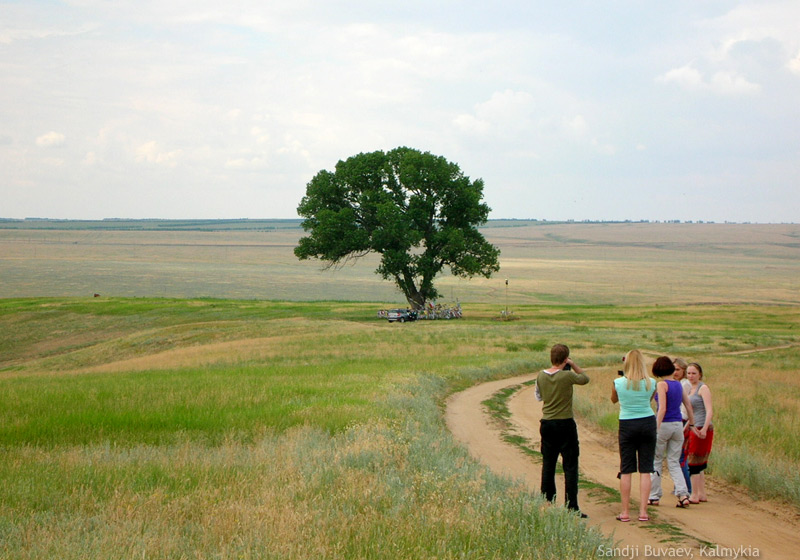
(558, 430)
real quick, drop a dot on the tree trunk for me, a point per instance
(415, 300)
(406, 284)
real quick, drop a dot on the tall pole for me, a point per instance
(506, 297)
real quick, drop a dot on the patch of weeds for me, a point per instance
(523, 444)
(497, 404)
(609, 422)
(667, 532)
(536, 346)
(600, 492)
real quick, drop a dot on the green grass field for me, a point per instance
(186, 428)
(248, 427)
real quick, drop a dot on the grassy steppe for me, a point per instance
(236, 428)
(609, 264)
(162, 428)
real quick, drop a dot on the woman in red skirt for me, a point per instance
(701, 435)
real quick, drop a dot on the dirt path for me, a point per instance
(729, 525)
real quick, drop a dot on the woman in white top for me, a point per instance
(680, 375)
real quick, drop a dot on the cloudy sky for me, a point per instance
(568, 110)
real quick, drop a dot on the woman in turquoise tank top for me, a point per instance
(637, 431)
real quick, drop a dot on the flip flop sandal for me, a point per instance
(623, 519)
(652, 502)
(645, 518)
(683, 503)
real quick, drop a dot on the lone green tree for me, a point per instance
(418, 210)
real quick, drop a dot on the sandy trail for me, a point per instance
(729, 525)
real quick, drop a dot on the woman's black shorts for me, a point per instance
(637, 444)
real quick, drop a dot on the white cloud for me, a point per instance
(294, 148)
(50, 140)
(151, 153)
(604, 147)
(260, 135)
(686, 77)
(504, 110)
(722, 82)
(471, 124)
(576, 126)
(10, 35)
(794, 64)
(254, 163)
(730, 83)
(755, 21)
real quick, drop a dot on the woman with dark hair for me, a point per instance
(637, 431)
(669, 442)
(701, 437)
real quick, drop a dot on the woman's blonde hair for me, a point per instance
(635, 370)
(681, 364)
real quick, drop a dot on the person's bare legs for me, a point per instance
(698, 488)
(645, 483)
(625, 492)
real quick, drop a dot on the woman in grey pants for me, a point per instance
(669, 442)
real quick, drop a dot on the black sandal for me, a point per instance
(652, 502)
(683, 502)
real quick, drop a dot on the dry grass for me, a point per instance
(558, 263)
(374, 491)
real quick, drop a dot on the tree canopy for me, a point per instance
(418, 210)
